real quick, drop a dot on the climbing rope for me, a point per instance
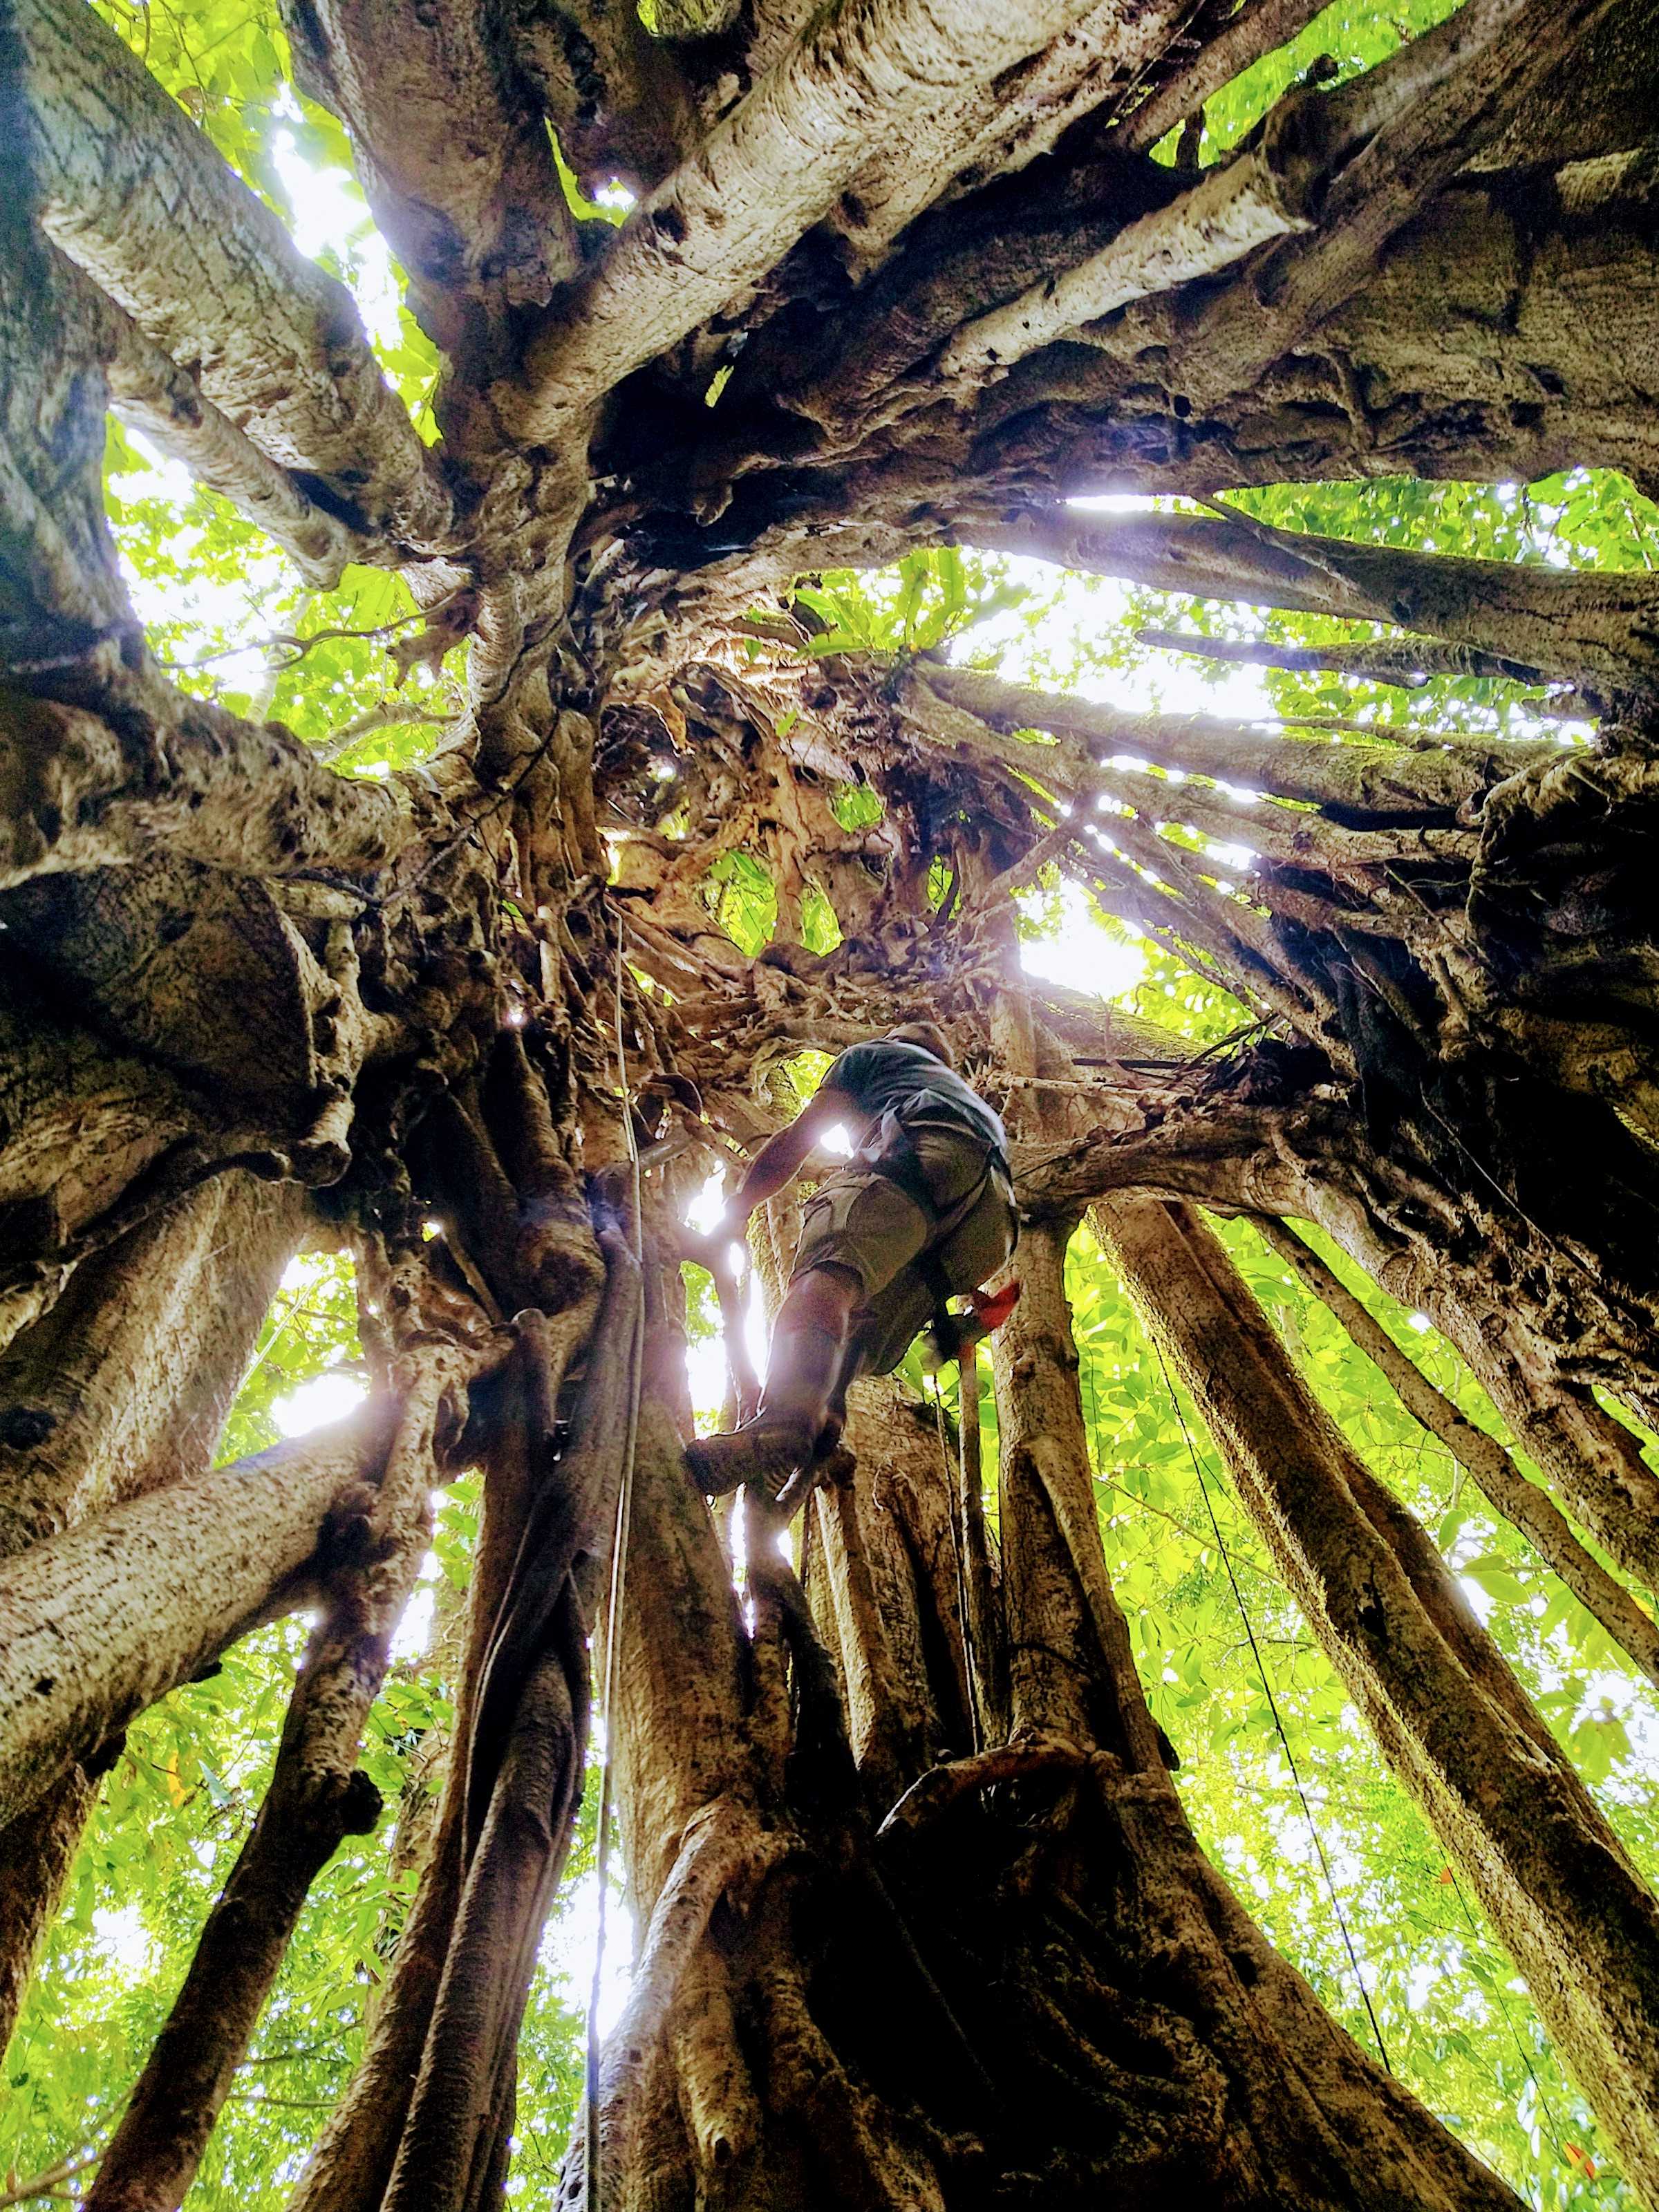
(613, 1619)
(1548, 2126)
(1272, 1707)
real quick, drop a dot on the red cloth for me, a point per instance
(992, 1307)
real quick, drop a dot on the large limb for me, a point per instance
(133, 764)
(101, 1621)
(125, 1382)
(1415, 121)
(135, 195)
(1600, 627)
(1500, 1480)
(1275, 186)
(615, 94)
(1239, 205)
(990, 276)
(1361, 784)
(454, 159)
(1255, 28)
(1478, 345)
(167, 772)
(1295, 176)
(61, 600)
(317, 1797)
(997, 126)
(1337, 2117)
(149, 390)
(1502, 334)
(762, 177)
(1408, 666)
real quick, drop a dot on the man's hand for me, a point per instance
(734, 1221)
(780, 1158)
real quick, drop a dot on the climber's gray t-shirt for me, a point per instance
(888, 1075)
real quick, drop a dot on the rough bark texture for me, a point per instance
(1085, 2031)
(123, 1387)
(1503, 1483)
(101, 1621)
(1443, 1707)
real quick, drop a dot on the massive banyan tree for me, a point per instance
(926, 1923)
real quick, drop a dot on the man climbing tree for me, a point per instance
(567, 777)
(923, 1212)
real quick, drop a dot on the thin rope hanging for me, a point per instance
(1272, 1707)
(613, 1623)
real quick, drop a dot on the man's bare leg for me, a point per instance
(809, 1346)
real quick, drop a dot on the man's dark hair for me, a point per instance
(929, 1035)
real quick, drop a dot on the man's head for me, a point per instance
(929, 1035)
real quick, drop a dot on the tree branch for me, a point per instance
(1256, 29)
(149, 390)
(1411, 123)
(84, 793)
(1000, 124)
(94, 1629)
(317, 1797)
(136, 195)
(1500, 1481)
(616, 94)
(455, 161)
(1592, 627)
(763, 175)
(1240, 205)
(1357, 783)
(1408, 667)
(1446, 1711)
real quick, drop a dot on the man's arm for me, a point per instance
(780, 1157)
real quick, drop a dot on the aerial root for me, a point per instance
(808, 2081)
(717, 2096)
(724, 1848)
(943, 1786)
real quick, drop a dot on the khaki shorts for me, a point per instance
(865, 1222)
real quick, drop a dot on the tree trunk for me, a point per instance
(1503, 1483)
(1447, 1712)
(101, 1621)
(1072, 2002)
(925, 1922)
(125, 1382)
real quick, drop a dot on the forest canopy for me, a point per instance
(533, 612)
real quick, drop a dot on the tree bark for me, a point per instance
(125, 1382)
(1071, 1995)
(316, 1798)
(1448, 1714)
(1501, 1482)
(104, 1619)
(137, 197)
(901, 277)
